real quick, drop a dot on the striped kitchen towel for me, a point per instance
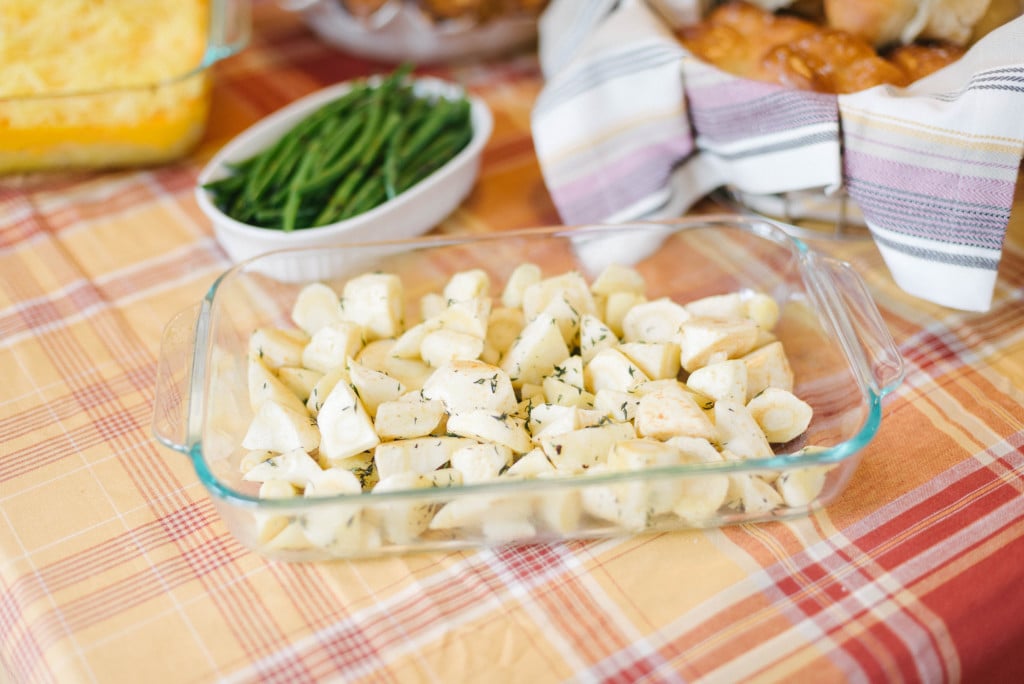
(630, 125)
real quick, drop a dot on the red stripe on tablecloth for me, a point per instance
(989, 652)
(21, 652)
(131, 191)
(403, 619)
(174, 179)
(200, 256)
(55, 625)
(24, 225)
(71, 444)
(816, 589)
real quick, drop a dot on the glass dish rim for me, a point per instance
(763, 228)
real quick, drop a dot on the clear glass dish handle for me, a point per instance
(174, 378)
(846, 298)
(230, 29)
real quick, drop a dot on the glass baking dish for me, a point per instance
(132, 112)
(842, 356)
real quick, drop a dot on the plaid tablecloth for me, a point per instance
(114, 566)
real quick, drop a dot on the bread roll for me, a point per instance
(887, 22)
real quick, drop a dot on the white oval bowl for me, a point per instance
(412, 213)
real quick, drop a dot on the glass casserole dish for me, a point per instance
(842, 357)
(91, 85)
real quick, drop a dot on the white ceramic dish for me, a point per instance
(402, 30)
(411, 213)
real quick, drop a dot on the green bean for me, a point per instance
(366, 198)
(291, 205)
(427, 129)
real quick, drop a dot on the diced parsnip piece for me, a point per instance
(407, 345)
(700, 496)
(595, 335)
(567, 316)
(479, 511)
(521, 277)
(275, 427)
(560, 392)
(410, 372)
(467, 285)
(570, 370)
(532, 391)
(316, 306)
(551, 419)
(654, 321)
(402, 521)
(444, 477)
(611, 503)
(730, 305)
(469, 385)
(533, 463)
(723, 380)
(559, 510)
(569, 286)
(658, 360)
(534, 354)
(276, 347)
(659, 495)
(420, 455)
(616, 306)
(332, 346)
(618, 278)
(782, 415)
(503, 327)
(696, 449)
(763, 310)
(576, 451)
(444, 346)
(675, 387)
(767, 366)
(739, 432)
(481, 462)
(346, 428)
(665, 414)
(291, 538)
(801, 486)
(468, 316)
(270, 525)
(361, 465)
(432, 304)
(407, 419)
(376, 302)
(251, 459)
(322, 389)
(373, 387)
(617, 405)
(703, 339)
(300, 381)
(751, 494)
(485, 425)
(334, 526)
(264, 385)
(611, 369)
(296, 467)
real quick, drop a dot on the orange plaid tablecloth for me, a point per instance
(114, 566)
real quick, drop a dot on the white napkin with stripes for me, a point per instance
(630, 125)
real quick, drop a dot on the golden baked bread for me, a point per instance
(888, 22)
(751, 42)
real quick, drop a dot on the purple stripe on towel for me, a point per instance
(937, 205)
(740, 116)
(620, 182)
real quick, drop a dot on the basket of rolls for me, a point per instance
(898, 117)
